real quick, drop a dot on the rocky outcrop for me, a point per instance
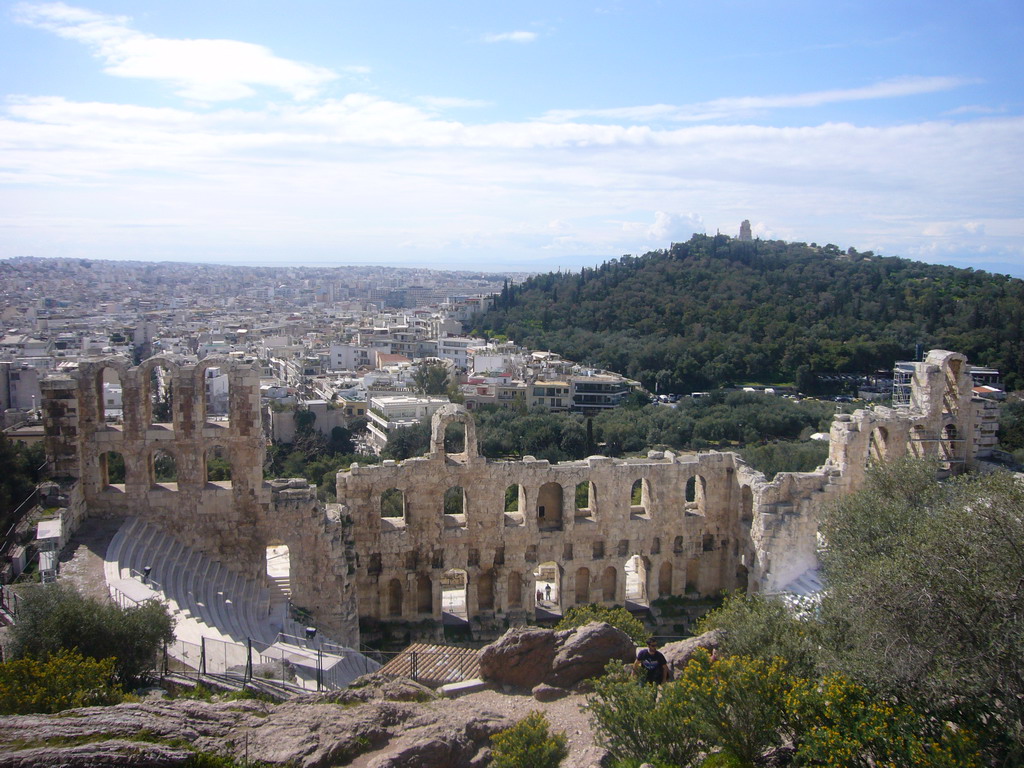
(524, 658)
(165, 733)
(545, 692)
(374, 686)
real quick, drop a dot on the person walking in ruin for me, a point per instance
(547, 592)
(653, 662)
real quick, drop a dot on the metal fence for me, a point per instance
(295, 663)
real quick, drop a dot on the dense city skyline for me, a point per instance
(511, 138)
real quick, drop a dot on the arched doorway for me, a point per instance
(454, 606)
(636, 581)
(548, 579)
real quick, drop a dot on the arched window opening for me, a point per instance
(636, 581)
(164, 468)
(109, 397)
(678, 545)
(708, 543)
(609, 583)
(547, 577)
(515, 590)
(598, 550)
(582, 586)
(455, 438)
(161, 398)
(950, 447)
(549, 507)
(878, 445)
(218, 465)
(693, 577)
(278, 571)
(485, 591)
(639, 496)
(746, 504)
(424, 594)
(656, 546)
(453, 596)
(515, 504)
(696, 491)
(392, 503)
(586, 500)
(919, 443)
(742, 577)
(394, 597)
(216, 390)
(455, 507)
(665, 579)
(112, 469)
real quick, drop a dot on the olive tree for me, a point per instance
(926, 594)
(54, 617)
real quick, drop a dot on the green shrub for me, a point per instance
(636, 725)
(618, 617)
(64, 680)
(527, 744)
(55, 617)
(763, 627)
(736, 704)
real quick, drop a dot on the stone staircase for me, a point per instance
(220, 609)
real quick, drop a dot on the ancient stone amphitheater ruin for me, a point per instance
(455, 535)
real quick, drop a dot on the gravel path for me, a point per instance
(81, 562)
(563, 715)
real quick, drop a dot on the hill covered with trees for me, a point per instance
(715, 311)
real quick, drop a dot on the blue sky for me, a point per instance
(508, 136)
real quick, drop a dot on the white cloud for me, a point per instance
(718, 109)
(358, 174)
(204, 70)
(519, 36)
(452, 102)
(673, 227)
(976, 109)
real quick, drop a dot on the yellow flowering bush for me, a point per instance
(636, 724)
(64, 680)
(840, 724)
(736, 703)
(527, 744)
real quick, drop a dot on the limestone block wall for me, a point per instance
(233, 520)
(701, 545)
(600, 530)
(938, 423)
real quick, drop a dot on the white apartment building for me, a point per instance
(456, 349)
(390, 412)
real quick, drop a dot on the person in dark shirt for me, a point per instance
(653, 662)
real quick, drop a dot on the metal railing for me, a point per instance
(294, 664)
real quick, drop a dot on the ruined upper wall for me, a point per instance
(232, 521)
(692, 523)
(706, 522)
(80, 417)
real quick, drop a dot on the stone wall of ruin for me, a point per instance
(689, 524)
(231, 521)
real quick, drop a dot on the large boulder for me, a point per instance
(679, 653)
(520, 658)
(526, 657)
(584, 652)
